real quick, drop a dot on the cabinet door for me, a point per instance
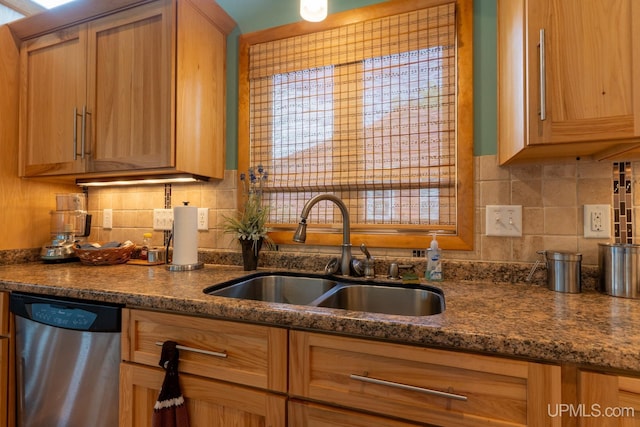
(52, 98)
(583, 61)
(6, 367)
(130, 89)
(208, 402)
(607, 401)
(304, 414)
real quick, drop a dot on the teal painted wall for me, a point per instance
(254, 15)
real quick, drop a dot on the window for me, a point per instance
(370, 111)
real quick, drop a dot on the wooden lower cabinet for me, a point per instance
(209, 402)
(305, 414)
(606, 400)
(231, 373)
(7, 383)
(420, 385)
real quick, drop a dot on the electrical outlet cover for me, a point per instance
(203, 219)
(107, 219)
(597, 221)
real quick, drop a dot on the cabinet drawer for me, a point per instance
(241, 353)
(420, 384)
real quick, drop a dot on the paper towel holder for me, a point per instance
(181, 267)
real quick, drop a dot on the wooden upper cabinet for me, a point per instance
(130, 89)
(52, 96)
(567, 78)
(145, 88)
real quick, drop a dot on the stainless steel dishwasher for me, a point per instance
(68, 357)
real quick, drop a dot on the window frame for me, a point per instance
(409, 237)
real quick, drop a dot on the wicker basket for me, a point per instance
(106, 256)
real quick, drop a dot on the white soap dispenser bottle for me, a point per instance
(434, 262)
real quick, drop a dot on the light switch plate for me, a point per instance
(107, 219)
(503, 220)
(597, 221)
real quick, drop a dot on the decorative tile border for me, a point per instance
(622, 202)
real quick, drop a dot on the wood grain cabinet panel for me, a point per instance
(305, 414)
(7, 401)
(130, 89)
(420, 384)
(567, 78)
(231, 374)
(247, 354)
(209, 403)
(606, 400)
(52, 96)
(137, 92)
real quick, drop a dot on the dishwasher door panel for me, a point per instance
(65, 377)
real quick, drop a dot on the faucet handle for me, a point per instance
(365, 251)
(332, 266)
(357, 267)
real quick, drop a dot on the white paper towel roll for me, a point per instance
(185, 235)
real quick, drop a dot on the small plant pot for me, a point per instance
(250, 253)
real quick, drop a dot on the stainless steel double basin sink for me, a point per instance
(335, 292)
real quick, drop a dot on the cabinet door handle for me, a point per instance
(75, 133)
(543, 79)
(409, 387)
(84, 130)
(221, 354)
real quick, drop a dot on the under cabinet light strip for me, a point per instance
(163, 179)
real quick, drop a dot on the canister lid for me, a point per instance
(563, 256)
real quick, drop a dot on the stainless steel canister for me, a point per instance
(563, 271)
(619, 269)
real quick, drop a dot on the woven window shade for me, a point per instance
(366, 111)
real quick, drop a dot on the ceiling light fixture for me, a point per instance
(139, 180)
(313, 10)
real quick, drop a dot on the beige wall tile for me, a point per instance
(594, 191)
(495, 193)
(526, 193)
(559, 192)
(489, 170)
(561, 221)
(533, 221)
(526, 249)
(496, 248)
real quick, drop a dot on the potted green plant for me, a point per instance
(249, 225)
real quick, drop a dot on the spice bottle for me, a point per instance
(146, 243)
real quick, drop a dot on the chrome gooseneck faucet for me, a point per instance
(347, 259)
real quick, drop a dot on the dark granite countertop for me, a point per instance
(514, 320)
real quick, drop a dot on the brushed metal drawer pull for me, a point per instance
(409, 387)
(197, 350)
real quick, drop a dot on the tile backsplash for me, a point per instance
(623, 231)
(551, 195)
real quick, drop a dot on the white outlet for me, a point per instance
(203, 219)
(597, 221)
(504, 220)
(107, 219)
(162, 219)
